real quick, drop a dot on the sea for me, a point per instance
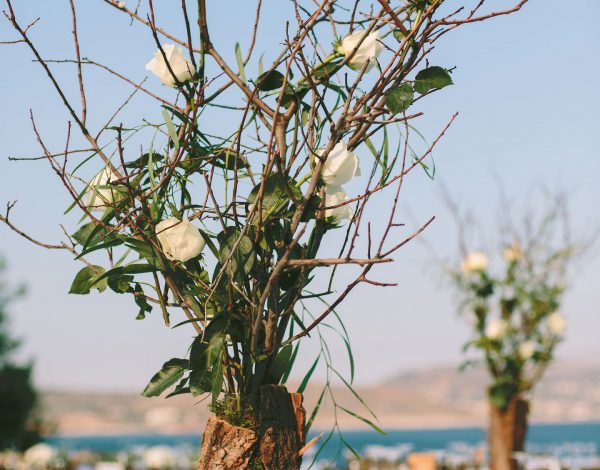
(574, 441)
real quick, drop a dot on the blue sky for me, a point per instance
(526, 87)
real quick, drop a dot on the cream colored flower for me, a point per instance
(159, 457)
(367, 52)
(496, 329)
(513, 253)
(181, 67)
(340, 167)
(557, 324)
(180, 240)
(476, 261)
(39, 456)
(101, 193)
(333, 197)
(526, 350)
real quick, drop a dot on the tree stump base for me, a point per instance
(275, 444)
(507, 433)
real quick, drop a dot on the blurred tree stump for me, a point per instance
(507, 433)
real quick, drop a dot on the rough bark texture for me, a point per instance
(225, 446)
(507, 433)
(281, 428)
(281, 435)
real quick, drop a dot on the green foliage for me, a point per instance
(515, 305)
(432, 78)
(89, 278)
(399, 98)
(19, 423)
(269, 81)
(169, 375)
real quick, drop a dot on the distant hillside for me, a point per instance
(437, 397)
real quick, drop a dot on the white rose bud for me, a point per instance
(367, 52)
(513, 253)
(100, 193)
(340, 167)
(475, 261)
(526, 350)
(496, 329)
(181, 67)
(556, 323)
(180, 240)
(333, 197)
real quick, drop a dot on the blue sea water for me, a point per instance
(568, 439)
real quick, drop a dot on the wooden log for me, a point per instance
(282, 428)
(276, 444)
(226, 447)
(507, 433)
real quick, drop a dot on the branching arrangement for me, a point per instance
(512, 302)
(226, 233)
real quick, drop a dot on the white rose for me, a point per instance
(340, 167)
(39, 455)
(556, 323)
(100, 193)
(333, 197)
(513, 253)
(367, 52)
(475, 261)
(496, 329)
(182, 68)
(526, 350)
(180, 240)
(159, 457)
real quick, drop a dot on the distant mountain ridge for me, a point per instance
(428, 398)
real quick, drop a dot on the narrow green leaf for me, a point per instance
(364, 420)
(308, 375)
(240, 62)
(171, 129)
(315, 411)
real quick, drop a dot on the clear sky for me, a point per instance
(527, 90)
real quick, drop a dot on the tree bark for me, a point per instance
(275, 443)
(507, 433)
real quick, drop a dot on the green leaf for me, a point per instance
(171, 128)
(270, 80)
(432, 78)
(142, 162)
(364, 420)
(237, 250)
(315, 410)
(88, 278)
(121, 284)
(240, 62)
(217, 379)
(275, 197)
(170, 373)
(129, 269)
(140, 300)
(399, 98)
(399, 35)
(324, 71)
(200, 382)
(308, 375)
(279, 365)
